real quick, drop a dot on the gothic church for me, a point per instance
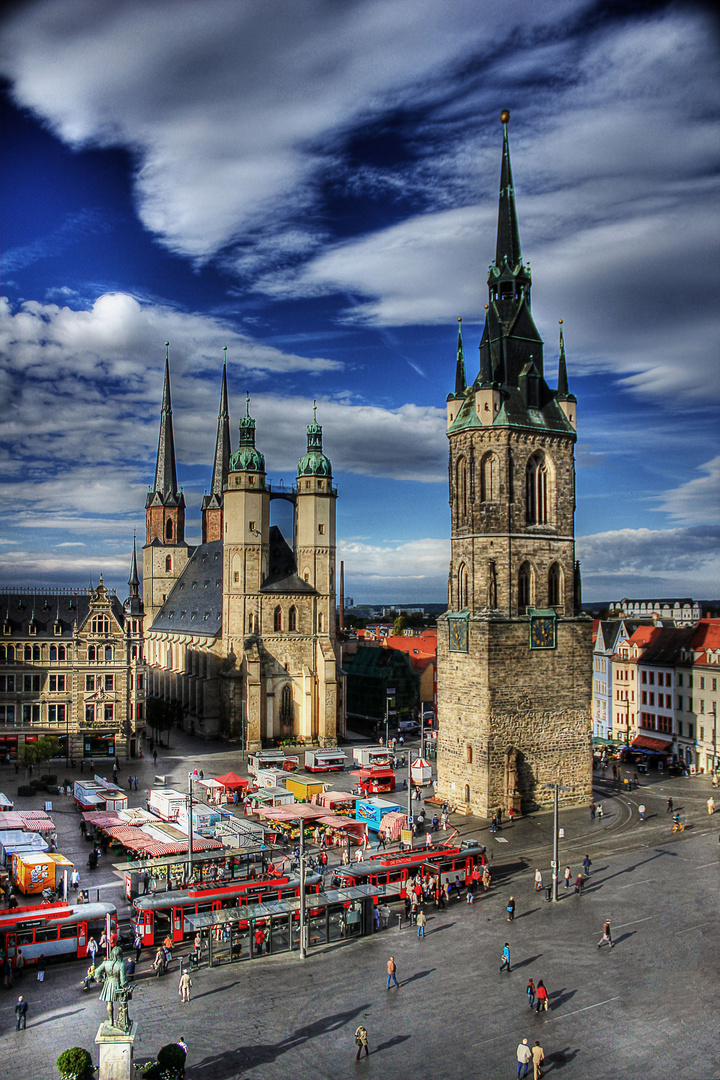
(514, 652)
(240, 630)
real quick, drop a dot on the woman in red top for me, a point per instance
(541, 996)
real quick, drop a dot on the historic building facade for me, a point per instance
(240, 631)
(72, 667)
(514, 655)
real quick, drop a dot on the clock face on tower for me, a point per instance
(458, 631)
(542, 631)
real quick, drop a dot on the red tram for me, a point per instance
(393, 872)
(57, 930)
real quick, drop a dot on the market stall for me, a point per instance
(337, 802)
(232, 785)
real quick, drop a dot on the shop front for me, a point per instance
(99, 745)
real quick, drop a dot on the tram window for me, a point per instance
(49, 933)
(25, 937)
(68, 931)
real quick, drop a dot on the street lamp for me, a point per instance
(389, 695)
(190, 827)
(556, 838)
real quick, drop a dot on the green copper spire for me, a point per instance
(507, 248)
(246, 458)
(314, 463)
(562, 387)
(460, 380)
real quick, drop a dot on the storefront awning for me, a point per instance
(658, 746)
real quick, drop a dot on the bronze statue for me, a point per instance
(115, 988)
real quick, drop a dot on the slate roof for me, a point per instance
(18, 609)
(282, 576)
(664, 648)
(195, 604)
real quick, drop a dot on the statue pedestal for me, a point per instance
(115, 1050)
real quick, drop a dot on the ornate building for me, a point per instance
(514, 655)
(240, 630)
(71, 666)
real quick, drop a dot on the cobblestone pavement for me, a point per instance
(647, 1008)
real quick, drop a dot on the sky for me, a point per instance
(314, 185)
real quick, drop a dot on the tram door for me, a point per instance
(11, 946)
(146, 926)
(469, 867)
(404, 876)
(177, 924)
(82, 939)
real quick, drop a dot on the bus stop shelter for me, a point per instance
(233, 933)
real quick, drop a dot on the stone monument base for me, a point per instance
(115, 1050)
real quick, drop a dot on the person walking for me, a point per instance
(505, 957)
(669, 807)
(21, 1010)
(530, 990)
(160, 962)
(41, 968)
(599, 811)
(641, 811)
(421, 921)
(510, 908)
(184, 986)
(392, 973)
(137, 945)
(579, 882)
(568, 877)
(361, 1039)
(587, 863)
(606, 938)
(541, 997)
(524, 1057)
(184, 1047)
(711, 806)
(538, 880)
(592, 810)
(486, 879)
(538, 1056)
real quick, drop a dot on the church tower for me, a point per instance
(212, 504)
(514, 654)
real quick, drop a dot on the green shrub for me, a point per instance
(75, 1064)
(25, 790)
(49, 778)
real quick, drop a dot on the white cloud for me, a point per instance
(416, 570)
(698, 500)
(651, 562)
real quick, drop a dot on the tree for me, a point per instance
(399, 625)
(75, 1064)
(45, 748)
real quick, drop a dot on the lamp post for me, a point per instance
(389, 695)
(556, 837)
(303, 952)
(190, 827)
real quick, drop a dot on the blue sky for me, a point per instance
(319, 193)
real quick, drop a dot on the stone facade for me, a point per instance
(514, 657)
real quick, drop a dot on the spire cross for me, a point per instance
(247, 403)
(314, 412)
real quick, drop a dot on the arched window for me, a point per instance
(277, 619)
(554, 586)
(462, 587)
(168, 530)
(61, 652)
(28, 652)
(525, 583)
(536, 490)
(36, 652)
(321, 623)
(168, 562)
(250, 624)
(467, 793)
(53, 653)
(11, 652)
(468, 754)
(92, 652)
(286, 703)
(108, 653)
(292, 619)
(489, 478)
(461, 488)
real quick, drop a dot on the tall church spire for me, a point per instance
(165, 474)
(134, 580)
(507, 248)
(460, 380)
(562, 387)
(212, 504)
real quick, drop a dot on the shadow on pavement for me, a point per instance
(437, 929)
(52, 1019)
(558, 1058)
(230, 1063)
(217, 990)
(624, 937)
(395, 1041)
(528, 960)
(561, 997)
(418, 975)
(523, 914)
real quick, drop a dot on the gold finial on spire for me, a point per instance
(459, 318)
(505, 116)
(560, 321)
(487, 306)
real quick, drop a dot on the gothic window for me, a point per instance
(91, 652)
(53, 653)
(286, 703)
(28, 652)
(321, 623)
(467, 793)
(536, 490)
(168, 562)
(461, 488)
(468, 754)
(61, 652)
(108, 653)
(36, 652)
(462, 587)
(277, 620)
(292, 619)
(489, 478)
(250, 624)
(555, 586)
(168, 530)
(525, 586)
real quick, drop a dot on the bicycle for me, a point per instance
(678, 827)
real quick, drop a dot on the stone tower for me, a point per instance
(165, 552)
(514, 654)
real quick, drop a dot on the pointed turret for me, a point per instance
(562, 386)
(212, 503)
(507, 248)
(165, 474)
(133, 605)
(460, 380)
(314, 463)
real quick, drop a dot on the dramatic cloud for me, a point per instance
(698, 500)
(391, 573)
(660, 562)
